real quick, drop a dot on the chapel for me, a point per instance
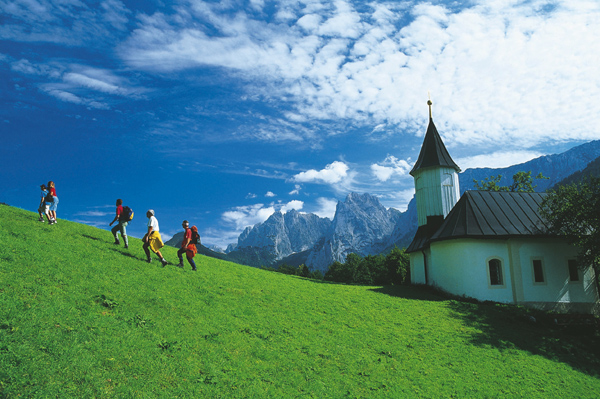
(490, 245)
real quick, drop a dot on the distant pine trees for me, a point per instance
(370, 270)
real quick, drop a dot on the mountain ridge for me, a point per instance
(364, 226)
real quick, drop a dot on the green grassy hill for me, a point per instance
(81, 318)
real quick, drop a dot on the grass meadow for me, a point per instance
(83, 318)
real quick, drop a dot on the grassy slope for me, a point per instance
(80, 317)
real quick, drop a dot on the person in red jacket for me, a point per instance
(121, 225)
(188, 246)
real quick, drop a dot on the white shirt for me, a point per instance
(152, 222)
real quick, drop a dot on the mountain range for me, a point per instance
(364, 226)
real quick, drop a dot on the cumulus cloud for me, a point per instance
(389, 167)
(249, 215)
(270, 194)
(332, 173)
(244, 216)
(326, 207)
(294, 204)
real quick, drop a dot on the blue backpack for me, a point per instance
(126, 215)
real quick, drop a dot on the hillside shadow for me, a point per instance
(90, 237)
(130, 255)
(415, 292)
(508, 327)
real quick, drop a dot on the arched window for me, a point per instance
(447, 180)
(495, 272)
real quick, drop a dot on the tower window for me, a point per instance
(447, 180)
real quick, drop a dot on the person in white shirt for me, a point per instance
(152, 239)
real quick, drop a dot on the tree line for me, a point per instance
(393, 268)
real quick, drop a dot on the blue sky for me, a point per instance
(223, 112)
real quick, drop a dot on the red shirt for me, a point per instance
(119, 210)
(53, 191)
(187, 236)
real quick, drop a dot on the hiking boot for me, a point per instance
(149, 260)
(116, 242)
(126, 246)
(164, 262)
(180, 264)
(41, 220)
(194, 269)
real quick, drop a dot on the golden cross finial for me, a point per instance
(430, 104)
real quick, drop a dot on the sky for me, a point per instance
(223, 112)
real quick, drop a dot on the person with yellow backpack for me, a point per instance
(152, 239)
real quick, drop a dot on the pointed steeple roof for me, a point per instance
(433, 152)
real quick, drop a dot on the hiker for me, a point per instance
(54, 202)
(152, 239)
(123, 218)
(188, 245)
(44, 207)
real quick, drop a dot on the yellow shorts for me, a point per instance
(155, 241)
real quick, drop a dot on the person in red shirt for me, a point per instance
(120, 226)
(54, 204)
(187, 247)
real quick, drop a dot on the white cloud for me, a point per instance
(296, 190)
(69, 97)
(86, 81)
(294, 204)
(94, 213)
(44, 21)
(500, 159)
(327, 207)
(244, 216)
(270, 194)
(249, 215)
(332, 173)
(389, 167)
(536, 83)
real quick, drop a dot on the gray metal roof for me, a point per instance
(433, 151)
(489, 214)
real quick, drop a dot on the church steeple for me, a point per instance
(433, 152)
(436, 178)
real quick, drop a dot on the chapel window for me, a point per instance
(538, 271)
(573, 270)
(495, 269)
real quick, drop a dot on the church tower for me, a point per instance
(436, 179)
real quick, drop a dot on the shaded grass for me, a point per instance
(80, 317)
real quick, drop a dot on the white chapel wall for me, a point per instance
(459, 267)
(557, 287)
